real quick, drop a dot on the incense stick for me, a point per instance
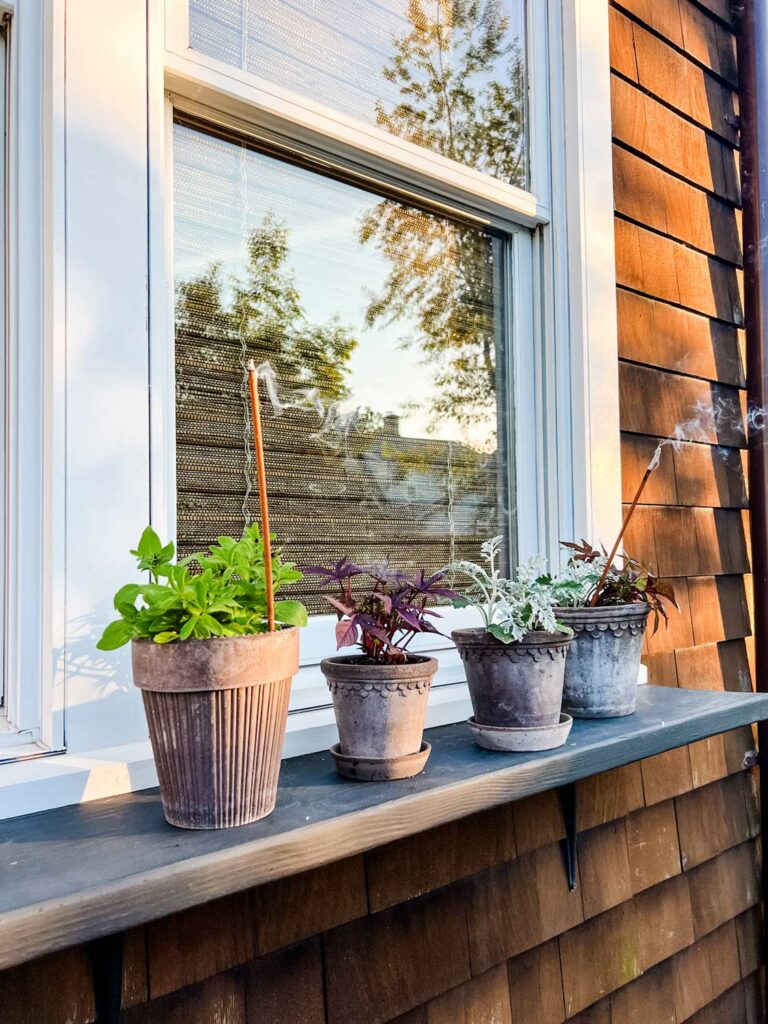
(653, 464)
(258, 444)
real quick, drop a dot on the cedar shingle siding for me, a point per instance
(472, 922)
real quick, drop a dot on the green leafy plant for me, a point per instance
(225, 596)
(510, 608)
(627, 581)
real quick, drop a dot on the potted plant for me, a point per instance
(515, 661)
(214, 681)
(380, 695)
(607, 604)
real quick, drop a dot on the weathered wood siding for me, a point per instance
(472, 923)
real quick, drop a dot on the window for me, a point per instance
(448, 75)
(380, 331)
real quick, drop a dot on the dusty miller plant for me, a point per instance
(510, 608)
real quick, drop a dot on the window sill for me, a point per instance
(118, 864)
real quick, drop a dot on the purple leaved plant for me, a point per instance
(385, 615)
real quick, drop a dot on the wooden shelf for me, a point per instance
(82, 872)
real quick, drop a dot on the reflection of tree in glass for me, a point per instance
(452, 101)
(442, 273)
(265, 311)
(336, 477)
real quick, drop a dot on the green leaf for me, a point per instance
(292, 613)
(188, 628)
(166, 638)
(115, 635)
(149, 544)
(127, 594)
(166, 553)
(500, 633)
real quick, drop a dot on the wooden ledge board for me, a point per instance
(77, 873)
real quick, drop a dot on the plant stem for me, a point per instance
(258, 444)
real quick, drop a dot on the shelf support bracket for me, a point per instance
(106, 956)
(570, 820)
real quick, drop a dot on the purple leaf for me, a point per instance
(412, 617)
(343, 608)
(385, 601)
(369, 625)
(346, 633)
(342, 570)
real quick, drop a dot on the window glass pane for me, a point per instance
(445, 74)
(379, 329)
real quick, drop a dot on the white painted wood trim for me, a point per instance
(588, 185)
(36, 391)
(218, 90)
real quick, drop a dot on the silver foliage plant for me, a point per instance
(510, 608)
(575, 583)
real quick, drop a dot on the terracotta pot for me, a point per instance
(514, 685)
(603, 662)
(217, 711)
(379, 709)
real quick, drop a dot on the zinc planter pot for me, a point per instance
(603, 663)
(380, 713)
(516, 687)
(217, 711)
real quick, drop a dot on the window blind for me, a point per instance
(379, 331)
(445, 74)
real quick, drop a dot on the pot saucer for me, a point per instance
(518, 739)
(380, 769)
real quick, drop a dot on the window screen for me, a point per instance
(445, 74)
(379, 330)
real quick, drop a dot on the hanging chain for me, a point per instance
(243, 339)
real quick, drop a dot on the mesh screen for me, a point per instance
(445, 74)
(377, 328)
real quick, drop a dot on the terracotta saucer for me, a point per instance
(526, 738)
(380, 769)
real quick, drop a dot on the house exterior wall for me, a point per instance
(473, 922)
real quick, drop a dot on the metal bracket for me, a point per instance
(752, 759)
(106, 956)
(570, 820)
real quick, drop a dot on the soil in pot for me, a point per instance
(516, 685)
(380, 710)
(603, 663)
(217, 711)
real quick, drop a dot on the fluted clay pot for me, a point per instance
(380, 710)
(603, 663)
(515, 685)
(217, 711)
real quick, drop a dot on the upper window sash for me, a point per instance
(209, 87)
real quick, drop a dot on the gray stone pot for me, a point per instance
(216, 711)
(603, 662)
(379, 709)
(514, 685)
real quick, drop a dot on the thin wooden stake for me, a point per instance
(258, 444)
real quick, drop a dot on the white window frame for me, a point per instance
(546, 368)
(32, 721)
(90, 154)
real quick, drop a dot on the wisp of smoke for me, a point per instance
(710, 421)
